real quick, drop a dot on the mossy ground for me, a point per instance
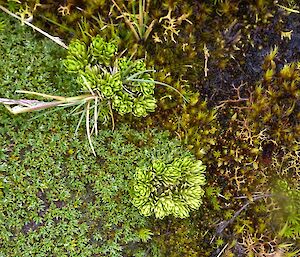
(242, 121)
(56, 198)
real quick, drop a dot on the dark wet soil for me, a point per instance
(245, 64)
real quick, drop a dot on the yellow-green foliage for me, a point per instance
(169, 184)
(176, 238)
(265, 121)
(262, 144)
(274, 104)
(56, 198)
(121, 84)
(286, 164)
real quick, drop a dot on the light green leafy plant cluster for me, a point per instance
(122, 83)
(169, 188)
(111, 84)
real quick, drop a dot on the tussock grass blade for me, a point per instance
(87, 123)
(76, 108)
(40, 106)
(59, 98)
(77, 113)
(159, 83)
(149, 29)
(57, 40)
(111, 115)
(141, 17)
(48, 112)
(87, 85)
(28, 103)
(138, 73)
(128, 22)
(96, 117)
(80, 120)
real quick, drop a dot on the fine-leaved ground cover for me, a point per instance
(57, 199)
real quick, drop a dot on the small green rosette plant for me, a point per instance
(110, 83)
(120, 83)
(169, 188)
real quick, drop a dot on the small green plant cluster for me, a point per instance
(169, 188)
(122, 84)
(56, 198)
(109, 83)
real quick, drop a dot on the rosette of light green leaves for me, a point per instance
(89, 78)
(126, 83)
(128, 66)
(143, 105)
(173, 188)
(136, 76)
(122, 103)
(77, 57)
(110, 84)
(77, 49)
(101, 51)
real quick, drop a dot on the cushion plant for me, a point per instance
(169, 187)
(121, 84)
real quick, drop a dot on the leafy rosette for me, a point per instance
(173, 188)
(102, 52)
(78, 50)
(110, 84)
(136, 76)
(122, 103)
(89, 78)
(77, 57)
(125, 85)
(144, 105)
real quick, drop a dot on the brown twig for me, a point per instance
(238, 92)
(238, 100)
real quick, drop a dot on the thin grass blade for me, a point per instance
(88, 132)
(80, 120)
(159, 83)
(96, 117)
(40, 106)
(139, 73)
(149, 29)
